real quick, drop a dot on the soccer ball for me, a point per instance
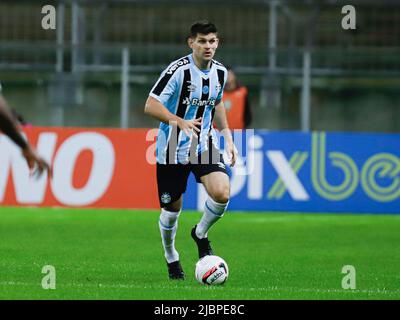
(211, 270)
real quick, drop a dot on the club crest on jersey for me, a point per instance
(165, 197)
(198, 102)
(206, 89)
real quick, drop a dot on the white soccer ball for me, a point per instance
(211, 270)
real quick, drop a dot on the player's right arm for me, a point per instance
(157, 110)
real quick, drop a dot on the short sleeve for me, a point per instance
(165, 87)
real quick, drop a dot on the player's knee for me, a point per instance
(221, 195)
(174, 206)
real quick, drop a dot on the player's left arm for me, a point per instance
(222, 124)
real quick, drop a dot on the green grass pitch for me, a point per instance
(117, 254)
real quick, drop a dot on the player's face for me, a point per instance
(204, 46)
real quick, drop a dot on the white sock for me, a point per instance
(213, 211)
(168, 224)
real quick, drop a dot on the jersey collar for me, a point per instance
(201, 73)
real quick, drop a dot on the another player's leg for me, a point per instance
(217, 187)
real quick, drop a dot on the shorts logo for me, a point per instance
(165, 197)
(221, 165)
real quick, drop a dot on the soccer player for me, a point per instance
(186, 99)
(9, 126)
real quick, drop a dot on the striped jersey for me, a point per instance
(190, 93)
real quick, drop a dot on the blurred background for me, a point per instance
(302, 69)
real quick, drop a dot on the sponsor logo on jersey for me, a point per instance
(191, 87)
(198, 102)
(172, 69)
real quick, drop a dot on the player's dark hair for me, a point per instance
(203, 27)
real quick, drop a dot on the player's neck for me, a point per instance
(201, 64)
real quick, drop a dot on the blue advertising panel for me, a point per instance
(312, 172)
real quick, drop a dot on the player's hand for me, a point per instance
(190, 126)
(36, 164)
(232, 153)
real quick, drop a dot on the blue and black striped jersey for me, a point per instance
(190, 93)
